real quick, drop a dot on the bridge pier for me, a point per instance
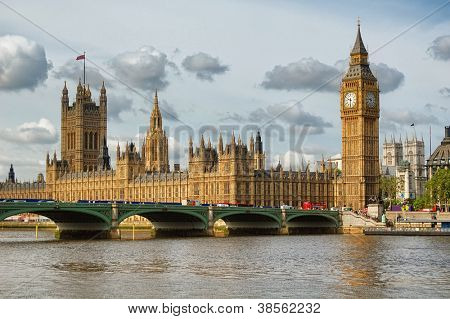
(210, 227)
(284, 230)
(114, 232)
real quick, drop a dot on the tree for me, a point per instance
(421, 202)
(438, 187)
(389, 187)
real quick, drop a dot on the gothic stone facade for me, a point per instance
(233, 173)
(405, 160)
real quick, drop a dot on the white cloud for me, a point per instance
(293, 160)
(204, 66)
(291, 112)
(118, 104)
(42, 132)
(394, 120)
(73, 70)
(440, 48)
(311, 74)
(23, 64)
(445, 91)
(434, 107)
(177, 151)
(145, 68)
(389, 78)
(306, 74)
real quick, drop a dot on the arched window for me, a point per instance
(95, 141)
(91, 137)
(85, 140)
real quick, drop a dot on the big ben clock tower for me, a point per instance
(360, 111)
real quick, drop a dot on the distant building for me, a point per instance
(11, 175)
(406, 161)
(441, 155)
(336, 161)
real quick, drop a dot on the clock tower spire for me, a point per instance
(360, 112)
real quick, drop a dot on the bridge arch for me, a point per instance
(58, 215)
(147, 213)
(225, 216)
(171, 221)
(77, 223)
(311, 223)
(250, 221)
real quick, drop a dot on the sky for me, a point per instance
(225, 66)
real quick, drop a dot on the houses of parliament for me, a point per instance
(231, 171)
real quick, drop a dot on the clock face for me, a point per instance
(350, 99)
(370, 99)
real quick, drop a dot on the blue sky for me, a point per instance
(219, 63)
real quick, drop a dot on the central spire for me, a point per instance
(155, 119)
(359, 47)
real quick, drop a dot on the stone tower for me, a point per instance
(83, 127)
(260, 157)
(11, 175)
(414, 153)
(360, 112)
(104, 160)
(156, 146)
(392, 152)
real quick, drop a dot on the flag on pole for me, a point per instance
(83, 57)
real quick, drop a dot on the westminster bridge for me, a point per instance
(101, 220)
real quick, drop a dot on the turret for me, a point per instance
(220, 144)
(103, 98)
(79, 92)
(88, 92)
(202, 142)
(11, 175)
(258, 144)
(322, 165)
(191, 147)
(155, 118)
(65, 96)
(118, 151)
(104, 161)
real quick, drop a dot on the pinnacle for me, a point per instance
(359, 47)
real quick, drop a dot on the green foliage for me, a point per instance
(438, 187)
(389, 187)
(421, 202)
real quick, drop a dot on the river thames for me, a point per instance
(309, 266)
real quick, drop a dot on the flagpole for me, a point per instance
(430, 141)
(84, 68)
